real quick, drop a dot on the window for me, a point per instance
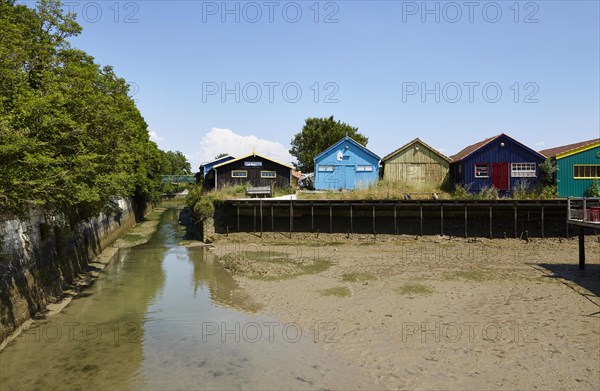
(239, 174)
(268, 174)
(482, 171)
(522, 170)
(364, 168)
(590, 171)
(325, 168)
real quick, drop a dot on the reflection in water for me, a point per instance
(162, 316)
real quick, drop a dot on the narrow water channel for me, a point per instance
(167, 317)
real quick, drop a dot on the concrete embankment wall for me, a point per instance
(41, 255)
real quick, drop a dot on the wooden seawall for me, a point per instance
(480, 218)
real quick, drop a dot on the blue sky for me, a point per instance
(369, 62)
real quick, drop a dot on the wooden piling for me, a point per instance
(421, 214)
(543, 232)
(516, 222)
(238, 218)
(466, 220)
(291, 217)
(254, 220)
(351, 220)
(272, 220)
(374, 230)
(395, 220)
(581, 247)
(491, 223)
(330, 219)
(442, 218)
(312, 217)
(261, 217)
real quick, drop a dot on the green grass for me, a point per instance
(357, 277)
(132, 237)
(338, 291)
(414, 289)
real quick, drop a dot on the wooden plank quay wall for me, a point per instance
(492, 219)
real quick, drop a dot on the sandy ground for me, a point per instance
(439, 313)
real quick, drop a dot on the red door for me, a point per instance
(500, 176)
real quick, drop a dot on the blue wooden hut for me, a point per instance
(346, 165)
(500, 162)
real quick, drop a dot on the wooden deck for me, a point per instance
(584, 213)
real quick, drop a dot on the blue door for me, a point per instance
(349, 177)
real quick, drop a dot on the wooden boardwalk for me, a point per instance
(584, 213)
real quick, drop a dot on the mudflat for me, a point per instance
(434, 312)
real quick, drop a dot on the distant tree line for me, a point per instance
(71, 137)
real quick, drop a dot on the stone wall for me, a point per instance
(41, 255)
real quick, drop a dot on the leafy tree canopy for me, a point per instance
(70, 135)
(317, 135)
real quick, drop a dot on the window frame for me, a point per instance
(262, 174)
(515, 173)
(325, 168)
(487, 169)
(245, 172)
(365, 168)
(579, 171)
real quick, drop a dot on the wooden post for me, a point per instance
(395, 220)
(261, 218)
(351, 220)
(330, 219)
(374, 230)
(442, 218)
(584, 209)
(421, 213)
(238, 217)
(543, 232)
(466, 219)
(581, 247)
(291, 218)
(272, 219)
(491, 222)
(516, 229)
(254, 220)
(568, 215)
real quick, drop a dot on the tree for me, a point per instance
(317, 135)
(222, 154)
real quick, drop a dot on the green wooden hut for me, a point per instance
(578, 165)
(417, 164)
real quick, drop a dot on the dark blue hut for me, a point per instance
(500, 162)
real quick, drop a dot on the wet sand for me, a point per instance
(439, 313)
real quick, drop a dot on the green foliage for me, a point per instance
(205, 208)
(194, 196)
(548, 170)
(462, 192)
(174, 163)
(70, 135)
(222, 154)
(317, 135)
(594, 190)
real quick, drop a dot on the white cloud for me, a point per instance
(540, 144)
(227, 141)
(154, 136)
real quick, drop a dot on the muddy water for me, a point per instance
(163, 317)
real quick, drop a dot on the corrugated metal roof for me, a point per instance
(552, 152)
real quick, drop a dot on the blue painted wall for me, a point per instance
(463, 172)
(345, 174)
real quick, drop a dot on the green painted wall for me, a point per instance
(567, 185)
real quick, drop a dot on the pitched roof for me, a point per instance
(353, 141)
(417, 140)
(472, 148)
(211, 162)
(552, 152)
(252, 154)
(477, 146)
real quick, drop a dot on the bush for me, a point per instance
(194, 196)
(462, 192)
(205, 208)
(488, 193)
(594, 190)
